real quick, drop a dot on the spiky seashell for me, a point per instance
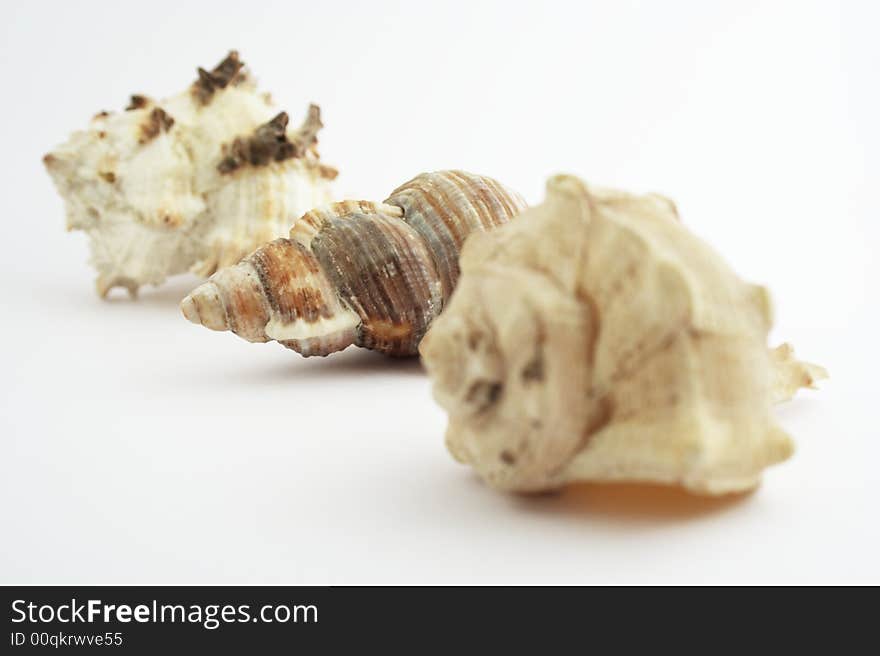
(596, 339)
(357, 272)
(194, 182)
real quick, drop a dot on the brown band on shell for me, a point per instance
(496, 206)
(512, 203)
(382, 270)
(427, 216)
(227, 71)
(446, 206)
(291, 277)
(157, 122)
(310, 223)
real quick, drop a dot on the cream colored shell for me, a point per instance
(148, 187)
(596, 339)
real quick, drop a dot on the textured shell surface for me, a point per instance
(193, 182)
(595, 338)
(357, 272)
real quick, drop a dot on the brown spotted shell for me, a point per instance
(193, 182)
(357, 272)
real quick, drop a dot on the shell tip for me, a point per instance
(189, 310)
(205, 307)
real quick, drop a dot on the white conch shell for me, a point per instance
(194, 182)
(596, 339)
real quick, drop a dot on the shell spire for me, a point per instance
(357, 272)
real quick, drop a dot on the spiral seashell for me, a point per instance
(194, 182)
(596, 339)
(357, 272)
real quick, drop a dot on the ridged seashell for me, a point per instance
(357, 272)
(596, 339)
(194, 182)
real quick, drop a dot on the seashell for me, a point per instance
(597, 339)
(194, 182)
(357, 272)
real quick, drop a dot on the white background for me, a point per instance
(139, 448)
